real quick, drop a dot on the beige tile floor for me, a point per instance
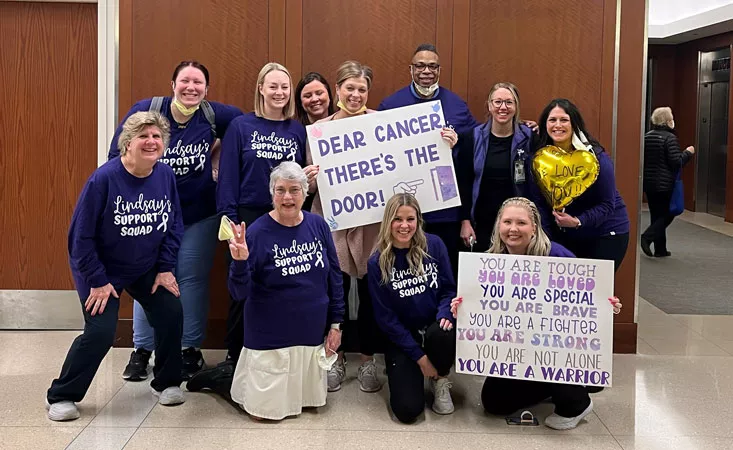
(676, 393)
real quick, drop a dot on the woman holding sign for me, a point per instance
(411, 282)
(518, 231)
(198, 124)
(254, 144)
(595, 224)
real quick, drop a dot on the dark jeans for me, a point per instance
(611, 247)
(661, 218)
(406, 381)
(234, 339)
(450, 234)
(503, 396)
(370, 338)
(164, 313)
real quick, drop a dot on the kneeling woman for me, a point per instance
(287, 270)
(411, 283)
(518, 231)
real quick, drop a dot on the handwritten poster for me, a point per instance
(535, 318)
(365, 160)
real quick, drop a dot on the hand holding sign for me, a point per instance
(238, 245)
(409, 187)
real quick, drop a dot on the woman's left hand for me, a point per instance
(449, 135)
(616, 303)
(168, 281)
(333, 341)
(446, 325)
(565, 220)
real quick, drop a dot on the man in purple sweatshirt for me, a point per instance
(425, 71)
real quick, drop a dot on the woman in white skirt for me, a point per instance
(285, 265)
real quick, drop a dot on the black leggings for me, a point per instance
(369, 336)
(611, 247)
(406, 381)
(503, 396)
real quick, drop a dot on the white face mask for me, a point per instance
(671, 124)
(426, 91)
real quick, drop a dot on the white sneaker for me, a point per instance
(567, 423)
(336, 375)
(442, 403)
(367, 375)
(170, 396)
(63, 410)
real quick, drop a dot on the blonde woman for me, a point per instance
(518, 231)
(412, 284)
(254, 144)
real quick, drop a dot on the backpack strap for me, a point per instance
(210, 115)
(156, 105)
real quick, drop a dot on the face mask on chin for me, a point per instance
(183, 109)
(426, 91)
(342, 107)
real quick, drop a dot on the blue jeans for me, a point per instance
(195, 259)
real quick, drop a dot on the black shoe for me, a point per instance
(193, 361)
(593, 389)
(646, 246)
(218, 379)
(137, 368)
(662, 255)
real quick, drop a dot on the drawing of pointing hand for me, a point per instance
(407, 187)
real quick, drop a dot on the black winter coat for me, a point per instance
(662, 159)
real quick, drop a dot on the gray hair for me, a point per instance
(662, 115)
(137, 123)
(289, 171)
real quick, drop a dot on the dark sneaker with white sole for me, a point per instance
(137, 368)
(193, 361)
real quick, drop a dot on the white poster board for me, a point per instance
(535, 318)
(364, 160)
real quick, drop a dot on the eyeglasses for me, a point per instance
(420, 67)
(497, 103)
(294, 192)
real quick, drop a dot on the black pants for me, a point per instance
(661, 218)
(165, 315)
(503, 396)
(450, 234)
(611, 247)
(483, 236)
(369, 337)
(406, 381)
(234, 339)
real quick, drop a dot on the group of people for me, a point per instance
(147, 222)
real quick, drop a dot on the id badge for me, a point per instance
(519, 176)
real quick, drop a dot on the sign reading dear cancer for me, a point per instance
(365, 160)
(535, 318)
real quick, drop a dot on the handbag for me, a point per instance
(677, 202)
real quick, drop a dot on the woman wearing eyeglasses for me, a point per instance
(493, 165)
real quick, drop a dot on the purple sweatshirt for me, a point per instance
(560, 251)
(409, 302)
(189, 154)
(292, 283)
(456, 114)
(123, 226)
(252, 147)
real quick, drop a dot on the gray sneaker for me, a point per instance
(442, 403)
(367, 374)
(170, 396)
(336, 375)
(64, 410)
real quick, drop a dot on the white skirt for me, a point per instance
(274, 384)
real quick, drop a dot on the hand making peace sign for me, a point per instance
(238, 245)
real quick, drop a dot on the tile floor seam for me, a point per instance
(95, 416)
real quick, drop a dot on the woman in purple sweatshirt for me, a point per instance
(518, 231)
(124, 235)
(198, 124)
(596, 224)
(411, 283)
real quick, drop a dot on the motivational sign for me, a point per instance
(365, 160)
(535, 318)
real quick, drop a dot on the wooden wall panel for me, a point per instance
(548, 49)
(380, 33)
(48, 127)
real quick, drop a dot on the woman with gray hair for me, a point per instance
(124, 235)
(285, 266)
(663, 160)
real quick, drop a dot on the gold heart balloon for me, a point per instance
(564, 176)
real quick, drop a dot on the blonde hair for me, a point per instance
(289, 108)
(539, 244)
(662, 115)
(354, 69)
(137, 122)
(418, 245)
(515, 93)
